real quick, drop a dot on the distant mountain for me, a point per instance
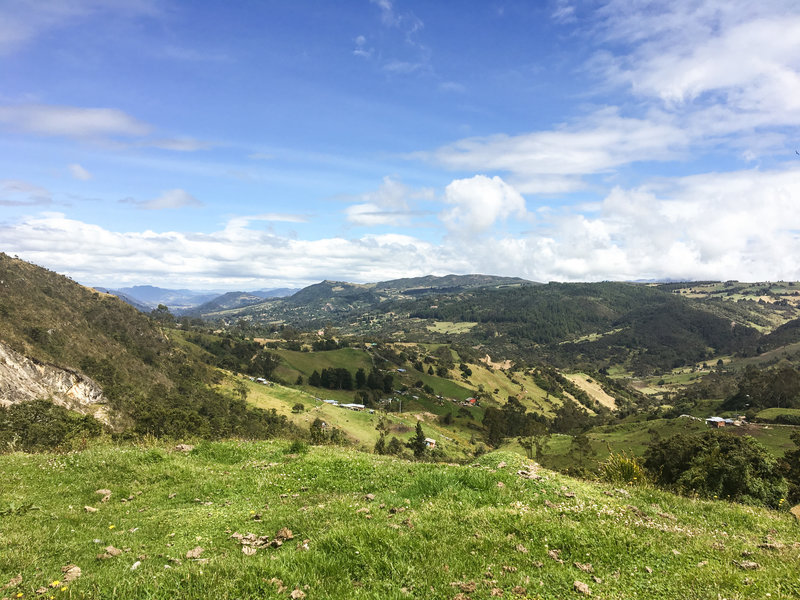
(227, 301)
(276, 293)
(127, 299)
(174, 299)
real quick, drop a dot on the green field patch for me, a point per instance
(451, 328)
(770, 414)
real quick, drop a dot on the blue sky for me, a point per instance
(269, 143)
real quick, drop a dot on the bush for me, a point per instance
(41, 425)
(718, 465)
(623, 469)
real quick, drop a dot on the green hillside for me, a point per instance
(342, 524)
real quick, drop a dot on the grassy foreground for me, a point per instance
(430, 531)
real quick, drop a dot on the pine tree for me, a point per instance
(417, 443)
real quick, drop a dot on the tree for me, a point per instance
(298, 407)
(417, 443)
(315, 379)
(790, 467)
(380, 445)
(361, 379)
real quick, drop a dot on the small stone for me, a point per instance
(581, 588)
(248, 550)
(90, 509)
(369, 497)
(585, 567)
(297, 594)
(172, 495)
(136, 565)
(71, 573)
(184, 448)
(648, 569)
(748, 565)
(195, 552)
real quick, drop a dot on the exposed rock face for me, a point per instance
(23, 379)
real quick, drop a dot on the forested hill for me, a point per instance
(151, 384)
(612, 323)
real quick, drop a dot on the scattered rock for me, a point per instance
(303, 545)
(195, 552)
(13, 582)
(500, 484)
(248, 550)
(105, 493)
(585, 567)
(71, 573)
(795, 510)
(549, 504)
(113, 551)
(519, 590)
(597, 579)
(702, 563)
(41, 590)
(581, 588)
(172, 495)
(529, 473)
(718, 546)
(648, 569)
(467, 587)
(748, 565)
(676, 552)
(136, 565)
(369, 497)
(90, 509)
(665, 515)
(521, 548)
(622, 492)
(501, 464)
(555, 555)
(461, 596)
(569, 494)
(297, 594)
(184, 448)
(496, 592)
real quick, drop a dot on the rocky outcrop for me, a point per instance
(23, 379)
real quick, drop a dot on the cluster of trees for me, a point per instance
(766, 388)
(723, 465)
(238, 355)
(339, 378)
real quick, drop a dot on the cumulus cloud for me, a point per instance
(170, 199)
(14, 192)
(388, 205)
(742, 225)
(479, 202)
(78, 172)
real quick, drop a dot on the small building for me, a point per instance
(715, 422)
(331, 402)
(353, 406)
(430, 443)
(471, 401)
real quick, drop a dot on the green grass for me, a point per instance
(449, 327)
(768, 414)
(452, 525)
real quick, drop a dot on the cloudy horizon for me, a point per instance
(205, 146)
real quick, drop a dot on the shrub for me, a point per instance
(623, 469)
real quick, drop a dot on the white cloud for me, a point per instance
(78, 172)
(742, 225)
(22, 21)
(555, 160)
(14, 192)
(71, 121)
(388, 205)
(478, 203)
(170, 199)
(180, 144)
(719, 68)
